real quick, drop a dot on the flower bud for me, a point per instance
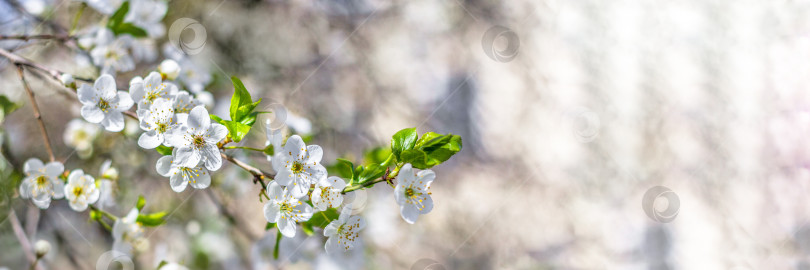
(67, 79)
(169, 69)
(42, 247)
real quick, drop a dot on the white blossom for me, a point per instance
(169, 68)
(157, 121)
(298, 166)
(102, 104)
(111, 53)
(145, 91)
(327, 193)
(127, 232)
(81, 190)
(196, 141)
(109, 176)
(182, 103)
(106, 7)
(80, 134)
(42, 247)
(66, 79)
(148, 15)
(343, 232)
(42, 182)
(285, 210)
(413, 192)
(180, 176)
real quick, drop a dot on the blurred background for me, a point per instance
(570, 112)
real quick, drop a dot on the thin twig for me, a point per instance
(24, 243)
(30, 37)
(19, 60)
(37, 114)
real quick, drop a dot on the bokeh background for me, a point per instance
(600, 102)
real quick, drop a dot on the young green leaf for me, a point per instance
(236, 130)
(417, 158)
(129, 28)
(141, 202)
(7, 106)
(151, 220)
(403, 140)
(371, 172)
(322, 218)
(242, 104)
(164, 150)
(345, 168)
(118, 17)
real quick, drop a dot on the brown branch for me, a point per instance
(31, 37)
(20, 61)
(37, 114)
(20, 234)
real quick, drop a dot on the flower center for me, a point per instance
(103, 105)
(161, 127)
(42, 180)
(151, 96)
(409, 192)
(198, 141)
(285, 207)
(77, 191)
(297, 167)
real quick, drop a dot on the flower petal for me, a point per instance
(409, 213)
(178, 182)
(54, 169)
(213, 160)
(295, 147)
(272, 212)
(105, 85)
(150, 140)
(92, 114)
(187, 157)
(216, 133)
(286, 226)
(315, 154)
(33, 165)
(114, 122)
(202, 179)
(124, 101)
(164, 165)
(298, 189)
(87, 94)
(198, 120)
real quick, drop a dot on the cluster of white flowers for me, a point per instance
(43, 182)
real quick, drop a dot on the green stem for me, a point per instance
(371, 183)
(278, 240)
(325, 217)
(77, 17)
(105, 213)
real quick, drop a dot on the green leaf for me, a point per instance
(216, 118)
(323, 218)
(128, 28)
(403, 140)
(308, 229)
(345, 168)
(417, 158)
(7, 105)
(436, 154)
(275, 248)
(236, 130)
(141, 202)
(118, 17)
(377, 155)
(371, 172)
(269, 150)
(164, 150)
(151, 220)
(242, 104)
(162, 264)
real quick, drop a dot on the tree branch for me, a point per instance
(20, 61)
(37, 114)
